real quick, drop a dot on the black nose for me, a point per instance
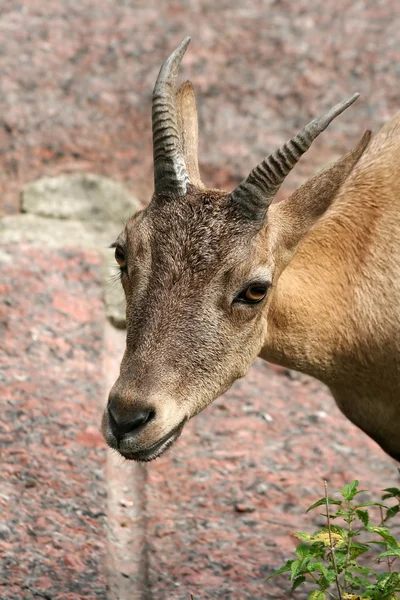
(128, 423)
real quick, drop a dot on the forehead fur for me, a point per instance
(193, 232)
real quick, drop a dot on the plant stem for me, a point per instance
(389, 564)
(349, 539)
(331, 543)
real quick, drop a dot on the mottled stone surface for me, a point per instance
(75, 96)
(77, 78)
(78, 209)
(220, 506)
(52, 487)
(80, 197)
(223, 503)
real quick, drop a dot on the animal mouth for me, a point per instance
(156, 449)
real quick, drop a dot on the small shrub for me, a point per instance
(329, 558)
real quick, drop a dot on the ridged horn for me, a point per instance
(170, 173)
(254, 194)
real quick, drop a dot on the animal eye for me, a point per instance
(253, 293)
(120, 257)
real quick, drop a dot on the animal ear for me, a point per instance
(253, 197)
(292, 218)
(189, 131)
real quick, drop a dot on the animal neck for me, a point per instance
(314, 312)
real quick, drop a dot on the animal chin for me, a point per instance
(156, 449)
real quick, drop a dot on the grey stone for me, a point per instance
(79, 196)
(78, 210)
(34, 229)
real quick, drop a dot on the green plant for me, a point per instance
(329, 558)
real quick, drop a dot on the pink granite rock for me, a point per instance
(52, 489)
(77, 79)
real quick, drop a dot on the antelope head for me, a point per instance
(198, 267)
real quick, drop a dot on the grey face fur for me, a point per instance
(187, 261)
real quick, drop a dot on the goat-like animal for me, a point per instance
(214, 279)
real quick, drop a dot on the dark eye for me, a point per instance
(120, 257)
(253, 293)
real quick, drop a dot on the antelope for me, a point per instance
(214, 279)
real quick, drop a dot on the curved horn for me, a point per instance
(254, 195)
(170, 174)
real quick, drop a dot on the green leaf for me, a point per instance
(363, 570)
(388, 583)
(350, 490)
(382, 577)
(341, 558)
(385, 534)
(359, 583)
(357, 549)
(318, 566)
(354, 533)
(303, 550)
(370, 504)
(377, 542)
(295, 567)
(317, 550)
(340, 530)
(283, 569)
(298, 581)
(392, 512)
(394, 492)
(322, 501)
(363, 515)
(393, 552)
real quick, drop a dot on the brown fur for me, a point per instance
(334, 311)
(331, 253)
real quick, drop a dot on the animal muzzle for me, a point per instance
(137, 430)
